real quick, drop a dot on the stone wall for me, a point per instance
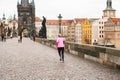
(103, 55)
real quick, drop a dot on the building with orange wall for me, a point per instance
(86, 32)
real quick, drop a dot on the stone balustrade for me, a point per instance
(101, 54)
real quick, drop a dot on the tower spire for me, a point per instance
(109, 11)
(17, 2)
(109, 4)
(32, 3)
(3, 17)
(24, 2)
(14, 17)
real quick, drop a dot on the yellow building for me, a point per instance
(86, 32)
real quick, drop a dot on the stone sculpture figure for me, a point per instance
(42, 32)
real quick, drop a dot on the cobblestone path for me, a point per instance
(33, 61)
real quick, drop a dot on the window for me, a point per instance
(21, 13)
(111, 14)
(27, 13)
(102, 36)
(102, 27)
(99, 27)
(118, 35)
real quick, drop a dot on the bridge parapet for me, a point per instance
(101, 54)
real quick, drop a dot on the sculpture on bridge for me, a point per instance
(42, 32)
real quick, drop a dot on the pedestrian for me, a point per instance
(20, 38)
(11, 35)
(5, 37)
(2, 37)
(34, 38)
(60, 43)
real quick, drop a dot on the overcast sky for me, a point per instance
(69, 9)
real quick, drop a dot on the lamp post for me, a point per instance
(60, 19)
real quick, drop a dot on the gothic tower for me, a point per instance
(109, 11)
(26, 17)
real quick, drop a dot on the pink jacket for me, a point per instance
(60, 42)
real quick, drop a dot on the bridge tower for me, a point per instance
(26, 17)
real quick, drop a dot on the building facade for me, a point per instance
(71, 31)
(98, 31)
(13, 26)
(38, 25)
(3, 25)
(86, 32)
(78, 33)
(53, 28)
(78, 29)
(112, 32)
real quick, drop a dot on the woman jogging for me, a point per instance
(60, 43)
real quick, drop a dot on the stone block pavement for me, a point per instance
(33, 61)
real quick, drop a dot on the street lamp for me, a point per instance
(60, 18)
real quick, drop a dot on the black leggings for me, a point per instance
(61, 52)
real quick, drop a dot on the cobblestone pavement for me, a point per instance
(33, 61)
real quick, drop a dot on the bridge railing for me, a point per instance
(101, 54)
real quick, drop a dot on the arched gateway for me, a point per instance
(26, 17)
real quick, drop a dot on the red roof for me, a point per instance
(56, 22)
(37, 19)
(115, 19)
(80, 20)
